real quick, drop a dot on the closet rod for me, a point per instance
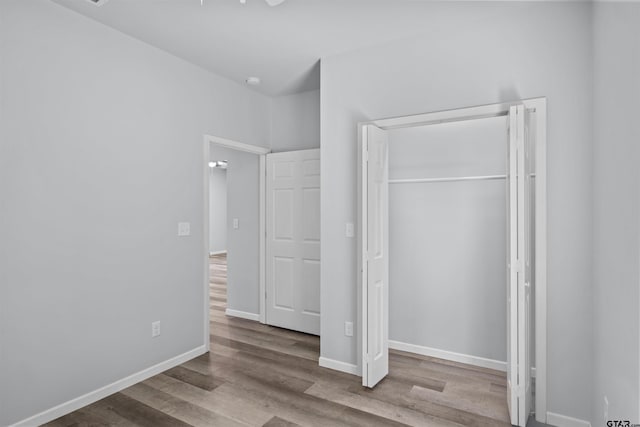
(448, 179)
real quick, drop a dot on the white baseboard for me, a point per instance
(564, 421)
(93, 396)
(217, 253)
(339, 366)
(449, 355)
(242, 314)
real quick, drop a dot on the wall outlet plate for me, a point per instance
(349, 230)
(184, 228)
(155, 329)
(348, 329)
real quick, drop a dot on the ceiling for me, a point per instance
(281, 45)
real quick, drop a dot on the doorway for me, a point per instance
(525, 150)
(272, 260)
(245, 226)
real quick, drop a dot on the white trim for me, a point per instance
(93, 396)
(242, 314)
(565, 421)
(445, 116)
(539, 105)
(263, 240)
(206, 299)
(240, 146)
(449, 355)
(361, 242)
(261, 152)
(337, 365)
(217, 253)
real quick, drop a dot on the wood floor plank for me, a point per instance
(196, 379)
(469, 399)
(140, 413)
(176, 408)
(377, 407)
(398, 394)
(239, 409)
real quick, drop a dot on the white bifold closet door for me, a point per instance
(519, 396)
(375, 245)
(293, 240)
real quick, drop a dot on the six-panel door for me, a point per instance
(293, 240)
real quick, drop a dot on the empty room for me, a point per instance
(319, 213)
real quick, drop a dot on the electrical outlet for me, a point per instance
(184, 229)
(349, 230)
(348, 329)
(606, 409)
(155, 329)
(236, 223)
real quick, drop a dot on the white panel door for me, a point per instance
(375, 263)
(293, 240)
(519, 271)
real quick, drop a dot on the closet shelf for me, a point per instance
(447, 179)
(452, 179)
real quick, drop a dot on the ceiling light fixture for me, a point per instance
(253, 81)
(222, 164)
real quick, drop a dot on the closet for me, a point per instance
(452, 207)
(447, 240)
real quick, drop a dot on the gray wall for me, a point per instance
(447, 240)
(217, 209)
(295, 122)
(522, 50)
(243, 244)
(616, 208)
(100, 157)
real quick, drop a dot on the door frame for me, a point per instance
(262, 153)
(539, 105)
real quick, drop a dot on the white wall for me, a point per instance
(616, 207)
(523, 50)
(217, 210)
(100, 157)
(447, 240)
(243, 243)
(296, 122)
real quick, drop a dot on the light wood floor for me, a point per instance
(259, 375)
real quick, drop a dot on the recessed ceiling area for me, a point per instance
(283, 44)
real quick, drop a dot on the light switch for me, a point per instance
(184, 229)
(236, 223)
(349, 230)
